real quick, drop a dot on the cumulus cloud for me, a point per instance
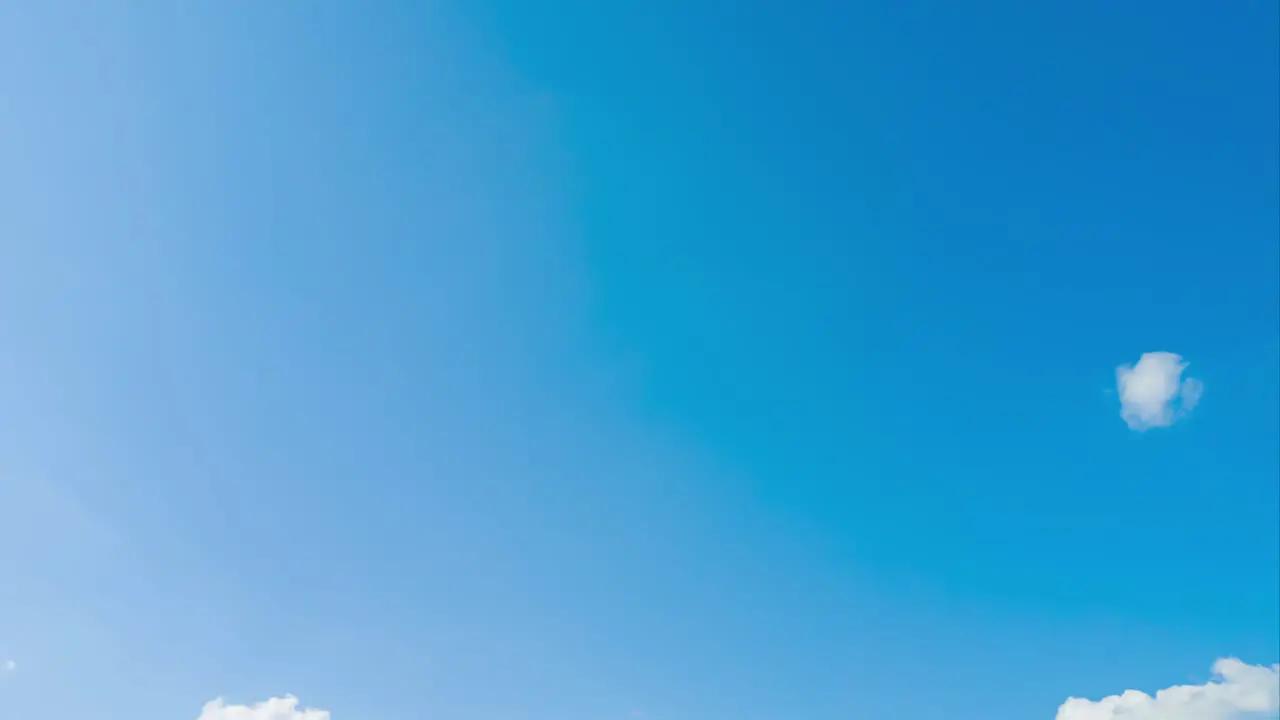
(1240, 691)
(1153, 392)
(283, 708)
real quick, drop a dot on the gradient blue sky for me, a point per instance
(573, 359)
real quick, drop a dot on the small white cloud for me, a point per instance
(8, 666)
(1153, 392)
(1240, 691)
(282, 708)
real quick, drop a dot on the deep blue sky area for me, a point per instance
(638, 360)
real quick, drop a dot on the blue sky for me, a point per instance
(665, 360)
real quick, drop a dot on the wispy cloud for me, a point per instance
(1240, 691)
(1153, 392)
(282, 708)
(8, 666)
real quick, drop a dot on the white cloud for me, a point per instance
(8, 666)
(1240, 691)
(283, 708)
(1153, 392)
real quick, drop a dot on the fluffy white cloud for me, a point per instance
(1240, 691)
(1153, 392)
(283, 708)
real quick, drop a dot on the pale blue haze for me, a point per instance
(568, 360)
